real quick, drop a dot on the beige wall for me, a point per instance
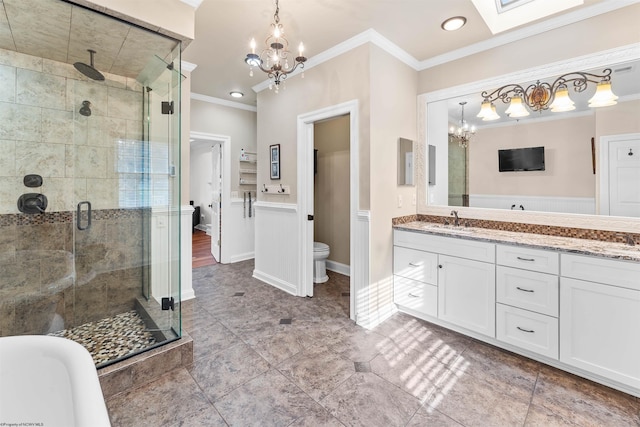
(393, 115)
(342, 79)
(331, 187)
(621, 118)
(568, 168)
(607, 31)
(239, 125)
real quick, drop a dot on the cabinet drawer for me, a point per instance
(415, 296)
(458, 247)
(416, 265)
(602, 270)
(528, 259)
(527, 289)
(530, 331)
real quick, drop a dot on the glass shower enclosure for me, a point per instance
(89, 179)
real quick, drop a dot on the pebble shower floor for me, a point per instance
(111, 338)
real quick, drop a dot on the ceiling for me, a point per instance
(63, 32)
(225, 27)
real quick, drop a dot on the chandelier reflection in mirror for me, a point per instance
(274, 59)
(544, 96)
(463, 133)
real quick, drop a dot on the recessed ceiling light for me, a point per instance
(454, 23)
(236, 94)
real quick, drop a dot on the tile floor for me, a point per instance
(252, 367)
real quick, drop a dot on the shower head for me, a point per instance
(85, 110)
(89, 70)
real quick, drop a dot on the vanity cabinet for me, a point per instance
(600, 312)
(579, 313)
(447, 278)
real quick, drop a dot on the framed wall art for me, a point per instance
(275, 161)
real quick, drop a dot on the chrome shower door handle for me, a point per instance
(79, 216)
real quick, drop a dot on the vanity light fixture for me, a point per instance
(488, 112)
(544, 96)
(516, 108)
(463, 133)
(274, 59)
(454, 23)
(236, 94)
(603, 96)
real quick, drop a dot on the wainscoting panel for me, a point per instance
(576, 205)
(360, 269)
(238, 232)
(276, 248)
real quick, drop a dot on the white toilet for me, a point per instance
(320, 254)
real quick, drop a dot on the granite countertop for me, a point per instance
(538, 241)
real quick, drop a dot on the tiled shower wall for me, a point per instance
(99, 158)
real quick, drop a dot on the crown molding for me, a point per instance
(193, 3)
(223, 102)
(368, 36)
(529, 31)
(377, 39)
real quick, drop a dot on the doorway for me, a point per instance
(358, 227)
(210, 187)
(620, 175)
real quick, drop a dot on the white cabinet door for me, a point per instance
(467, 294)
(600, 329)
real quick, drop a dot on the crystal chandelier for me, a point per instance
(274, 59)
(545, 96)
(463, 133)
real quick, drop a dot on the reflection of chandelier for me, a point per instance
(463, 133)
(274, 59)
(545, 96)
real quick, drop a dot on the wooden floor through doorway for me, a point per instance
(201, 248)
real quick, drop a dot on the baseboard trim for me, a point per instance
(241, 257)
(377, 317)
(187, 294)
(275, 282)
(338, 267)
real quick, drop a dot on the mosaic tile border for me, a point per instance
(8, 220)
(548, 230)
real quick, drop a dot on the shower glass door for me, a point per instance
(127, 204)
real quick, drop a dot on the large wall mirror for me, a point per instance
(574, 143)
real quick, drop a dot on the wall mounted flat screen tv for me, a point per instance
(521, 159)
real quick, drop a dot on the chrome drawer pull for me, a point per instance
(524, 290)
(526, 259)
(525, 330)
(416, 264)
(413, 296)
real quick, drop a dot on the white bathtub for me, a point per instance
(49, 381)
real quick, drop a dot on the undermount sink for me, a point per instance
(449, 228)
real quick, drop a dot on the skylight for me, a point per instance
(506, 14)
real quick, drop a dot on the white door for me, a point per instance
(216, 199)
(624, 177)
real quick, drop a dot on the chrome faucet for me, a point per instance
(456, 221)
